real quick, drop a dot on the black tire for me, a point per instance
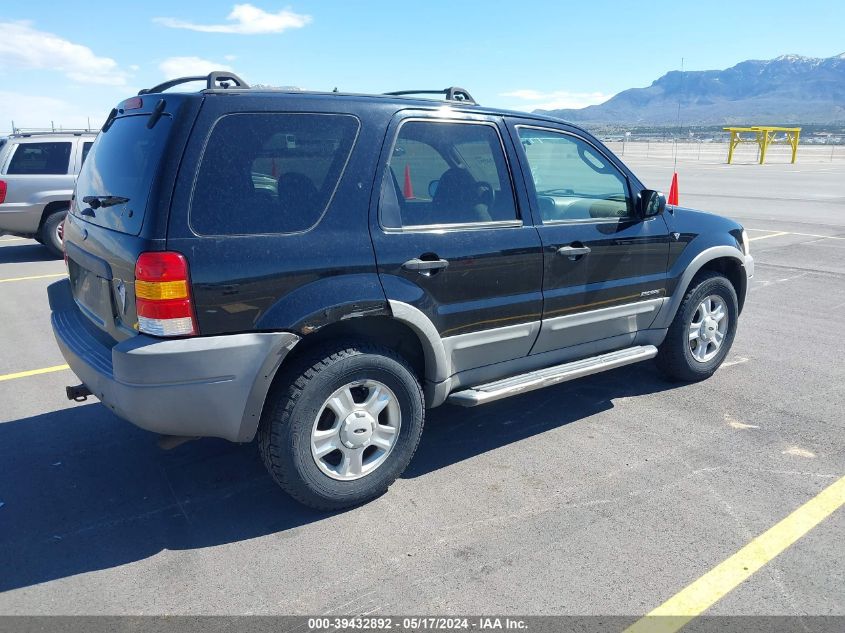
(48, 234)
(674, 356)
(284, 434)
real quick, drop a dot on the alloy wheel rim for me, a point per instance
(355, 430)
(708, 328)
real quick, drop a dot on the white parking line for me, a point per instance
(778, 233)
(764, 237)
(824, 237)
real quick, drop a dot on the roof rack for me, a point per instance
(216, 79)
(452, 94)
(34, 131)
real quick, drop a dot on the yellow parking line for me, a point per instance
(703, 593)
(33, 277)
(33, 372)
(763, 237)
(12, 239)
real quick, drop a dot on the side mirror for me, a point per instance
(651, 203)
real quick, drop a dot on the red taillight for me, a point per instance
(2, 191)
(163, 295)
(164, 309)
(164, 266)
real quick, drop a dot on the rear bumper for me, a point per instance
(206, 386)
(20, 218)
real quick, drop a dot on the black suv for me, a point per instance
(317, 269)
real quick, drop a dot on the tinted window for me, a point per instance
(270, 173)
(86, 147)
(446, 173)
(40, 158)
(573, 181)
(122, 162)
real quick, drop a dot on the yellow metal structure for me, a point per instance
(763, 136)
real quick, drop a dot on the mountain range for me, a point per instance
(790, 89)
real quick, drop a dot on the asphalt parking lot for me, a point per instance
(603, 496)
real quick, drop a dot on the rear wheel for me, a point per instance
(703, 330)
(51, 232)
(342, 424)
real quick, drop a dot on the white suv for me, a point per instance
(37, 175)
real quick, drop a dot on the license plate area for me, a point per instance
(92, 294)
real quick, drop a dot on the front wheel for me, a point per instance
(702, 331)
(342, 424)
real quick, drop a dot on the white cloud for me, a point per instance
(174, 67)
(245, 20)
(23, 48)
(29, 111)
(556, 100)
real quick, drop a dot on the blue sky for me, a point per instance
(64, 61)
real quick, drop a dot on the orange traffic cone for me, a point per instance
(673, 190)
(408, 189)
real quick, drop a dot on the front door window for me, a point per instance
(573, 181)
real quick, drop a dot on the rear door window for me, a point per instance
(446, 173)
(119, 169)
(40, 158)
(265, 173)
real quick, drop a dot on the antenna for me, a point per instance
(680, 94)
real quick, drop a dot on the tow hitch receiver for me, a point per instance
(79, 393)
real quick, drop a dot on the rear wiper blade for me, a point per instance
(104, 201)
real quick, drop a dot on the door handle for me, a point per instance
(425, 265)
(573, 251)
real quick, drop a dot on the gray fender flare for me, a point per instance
(436, 360)
(670, 307)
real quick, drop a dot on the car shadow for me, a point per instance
(25, 253)
(82, 491)
(454, 434)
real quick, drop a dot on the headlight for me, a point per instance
(745, 247)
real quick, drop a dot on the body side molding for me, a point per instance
(604, 314)
(493, 345)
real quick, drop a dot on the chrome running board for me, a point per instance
(540, 378)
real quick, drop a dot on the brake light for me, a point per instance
(2, 191)
(163, 295)
(133, 103)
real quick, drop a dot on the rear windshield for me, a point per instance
(121, 165)
(270, 172)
